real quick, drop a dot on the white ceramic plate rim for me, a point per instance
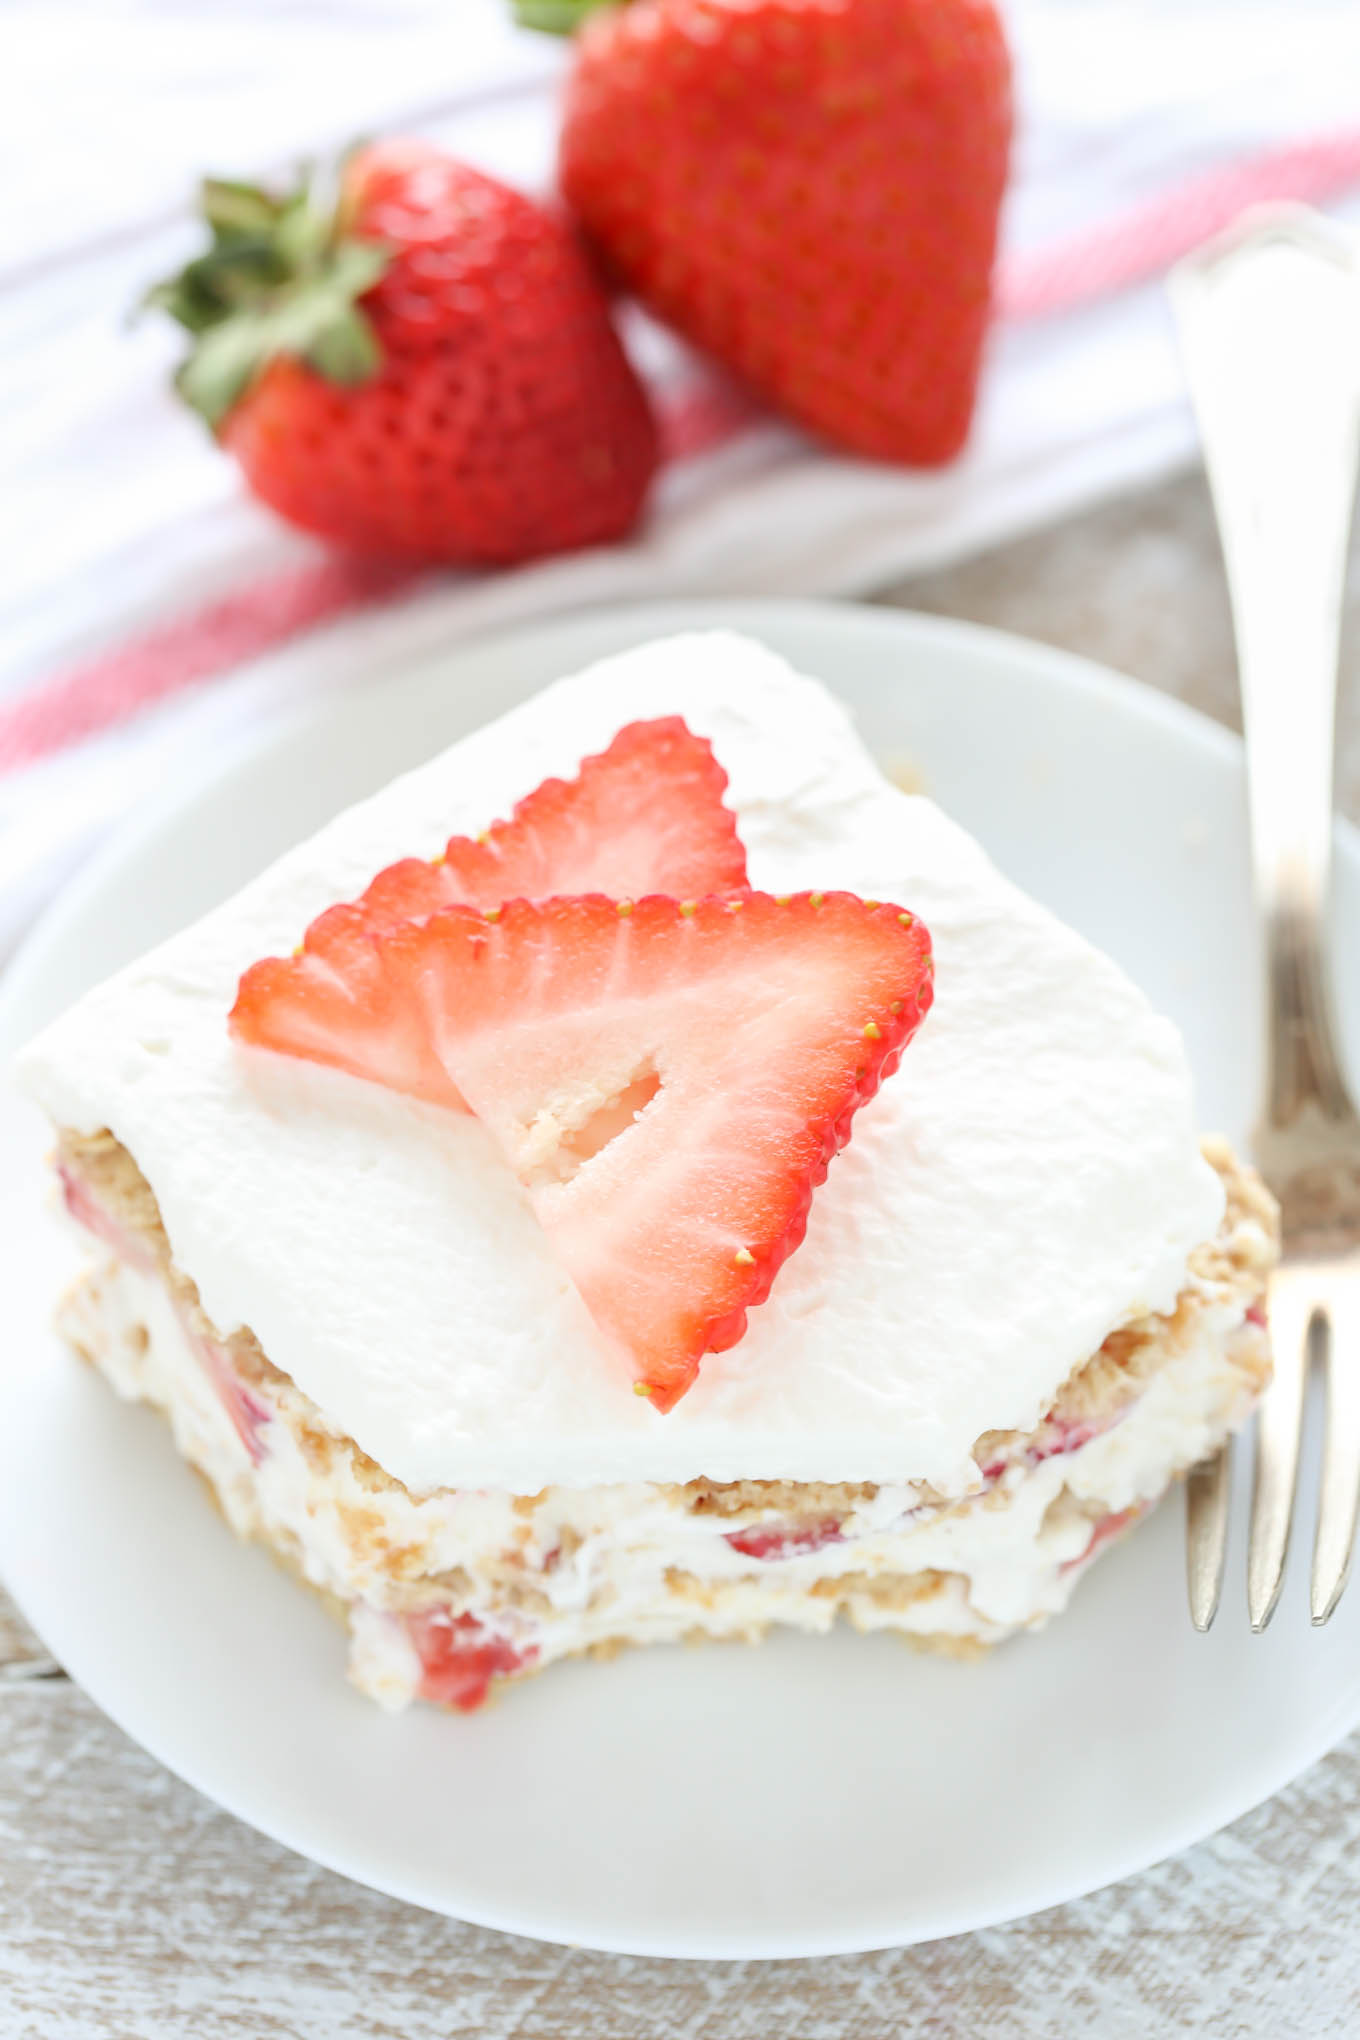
(577, 636)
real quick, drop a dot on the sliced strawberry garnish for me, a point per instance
(669, 1081)
(335, 1002)
(644, 816)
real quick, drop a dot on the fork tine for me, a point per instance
(1277, 1440)
(1206, 1533)
(1340, 1460)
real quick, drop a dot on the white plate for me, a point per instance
(814, 1795)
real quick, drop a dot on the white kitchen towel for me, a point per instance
(146, 599)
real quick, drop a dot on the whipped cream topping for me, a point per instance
(1026, 1182)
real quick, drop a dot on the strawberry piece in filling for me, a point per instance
(1056, 1438)
(459, 1658)
(85, 1208)
(1106, 1530)
(1058, 1435)
(775, 1540)
(248, 1414)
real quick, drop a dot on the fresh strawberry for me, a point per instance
(669, 1081)
(420, 364)
(644, 816)
(808, 188)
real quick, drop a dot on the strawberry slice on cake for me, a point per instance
(669, 1080)
(644, 816)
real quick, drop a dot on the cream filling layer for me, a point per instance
(631, 1562)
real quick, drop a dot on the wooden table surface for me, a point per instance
(130, 1909)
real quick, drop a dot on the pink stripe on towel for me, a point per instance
(1131, 249)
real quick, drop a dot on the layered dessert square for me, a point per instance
(513, 1362)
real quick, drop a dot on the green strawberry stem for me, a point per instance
(280, 277)
(557, 17)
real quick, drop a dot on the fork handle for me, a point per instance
(1269, 324)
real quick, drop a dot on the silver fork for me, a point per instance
(1269, 323)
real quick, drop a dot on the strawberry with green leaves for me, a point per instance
(809, 189)
(416, 363)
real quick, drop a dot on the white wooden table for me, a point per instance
(130, 1909)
